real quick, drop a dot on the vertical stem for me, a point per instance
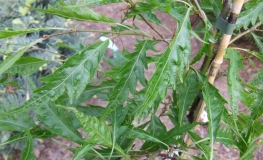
(237, 6)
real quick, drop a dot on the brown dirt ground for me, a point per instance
(50, 150)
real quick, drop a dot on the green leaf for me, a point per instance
(215, 107)
(254, 10)
(157, 129)
(35, 133)
(76, 13)
(174, 59)
(200, 144)
(128, 76)
(258, 41)
(57, 121)
(13, 58)
(205, 46)
(27, 153)
(26, 66)
(11, 33)
(143, 135)
(256, 107)
(82, 151)
(234, 86)
(213, 6)
(226, 137)
(87, 94)
(19, 122)
(187, 91)
(98, 132)
(258, 78)
(72, 76)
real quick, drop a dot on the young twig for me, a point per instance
(246, 32)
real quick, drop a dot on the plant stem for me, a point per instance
(218, 60)
(246, 32)
(210, 55)
(148, 23)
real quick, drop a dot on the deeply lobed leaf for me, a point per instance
(128, 76)
(73, 76)
(174, 60)
(253, 12)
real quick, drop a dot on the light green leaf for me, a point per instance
(174, 60)
(19, 122)
(98, 132)
(27, 153)
(76, 13)
(13, 58)
(26, 66)
(11, 33)
(57, 121)
(258, 41)
(128, 76)
(253, 11)
(72, 77)
(187, 91)
(82, 151)
(143, 135)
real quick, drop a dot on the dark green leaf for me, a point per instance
(87, 94)
(233, 80)
(226, 137)
(187, 91)
(26, 66)
(256, 107)
(98, 131)
(72, 77)
(258, 41)
(214, 106)
(27, 153)
(82, 151)
(19, 122)
(34, 133)
(129, 74)
(174, 59)
(57, 121)
(157, 129)
(202, 145)
(143, 135)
